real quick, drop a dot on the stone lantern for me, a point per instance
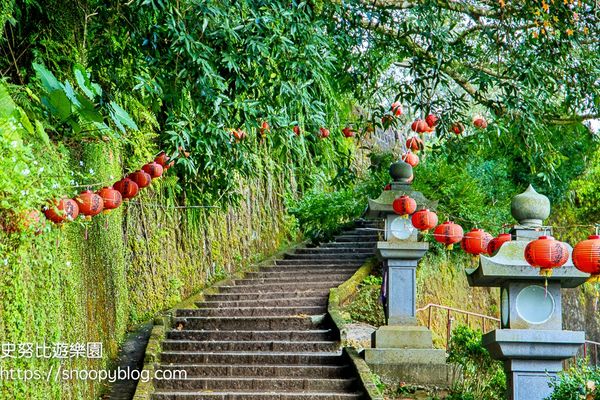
(402, 350)
(531, 341)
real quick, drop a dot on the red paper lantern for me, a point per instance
(404, 205)
(142, 178)
(348, 132)
(162, 159)
(497, 242)
(112, 198)
(153, 169)
(546, 253)
(480, 123)
(128, 188)
(458, 128)
(586, 256)
(410, 158)
(238, 135)
(62, 210)
(264, 128)
(448, 233)
(296, 130)
(396, 109)
(420, 126)
(424, 220)
(323, 133)
(414, 143)
(431, 120)
(89, 203)
(476, 242)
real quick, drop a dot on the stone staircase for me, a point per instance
(268, 336)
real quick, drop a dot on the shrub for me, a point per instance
(578, 382)
(482, 377)
(366, 305)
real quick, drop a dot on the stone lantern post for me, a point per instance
(402, 350)
(531, 341)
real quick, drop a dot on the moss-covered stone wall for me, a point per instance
(59, 287)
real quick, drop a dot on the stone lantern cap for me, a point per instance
(402, 174)
(530, 208)
(509, 265)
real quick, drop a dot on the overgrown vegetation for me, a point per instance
(366, 305)
(323, 211)
(580, 381)
(482, 378)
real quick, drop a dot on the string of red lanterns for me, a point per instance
(90, 204)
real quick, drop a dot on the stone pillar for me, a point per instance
(530, 342)
(402, 351)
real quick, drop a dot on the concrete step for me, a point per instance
(260, 383)
(280, 302)
(351, 245)
(277, 287)
(251, 323)
(243, 345)
(334, 250)
(251, 311)
(298, 292)
(326, 262)
(254, 395)
(335, 280)
(300, 335)
(307, 267)
(283, 371)
(329, 256)
(253, 358)
(364, 231)
(291, 273)
(356, 238)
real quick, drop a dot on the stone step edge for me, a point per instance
(254, 308)
(215, 302)
(332, 342)
(309, 331)
(281, 366)
(266, 379)
(303, 392)
(254, 318)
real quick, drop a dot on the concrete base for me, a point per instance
(402, 337)
(528, 379)
(405, 354)
(532, 358)
(438, 375)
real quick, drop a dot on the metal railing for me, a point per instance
(470, 317)
(588, 350)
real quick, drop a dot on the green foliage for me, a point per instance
(32, 169)
(378, 382)
(482, 377)
(477, 192)
(321, 213)
(531, 72)
(82, 109)
(372, 280)
(238, 65)
(580, 381)
(366, 304)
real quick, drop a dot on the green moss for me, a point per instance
(138, 260)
